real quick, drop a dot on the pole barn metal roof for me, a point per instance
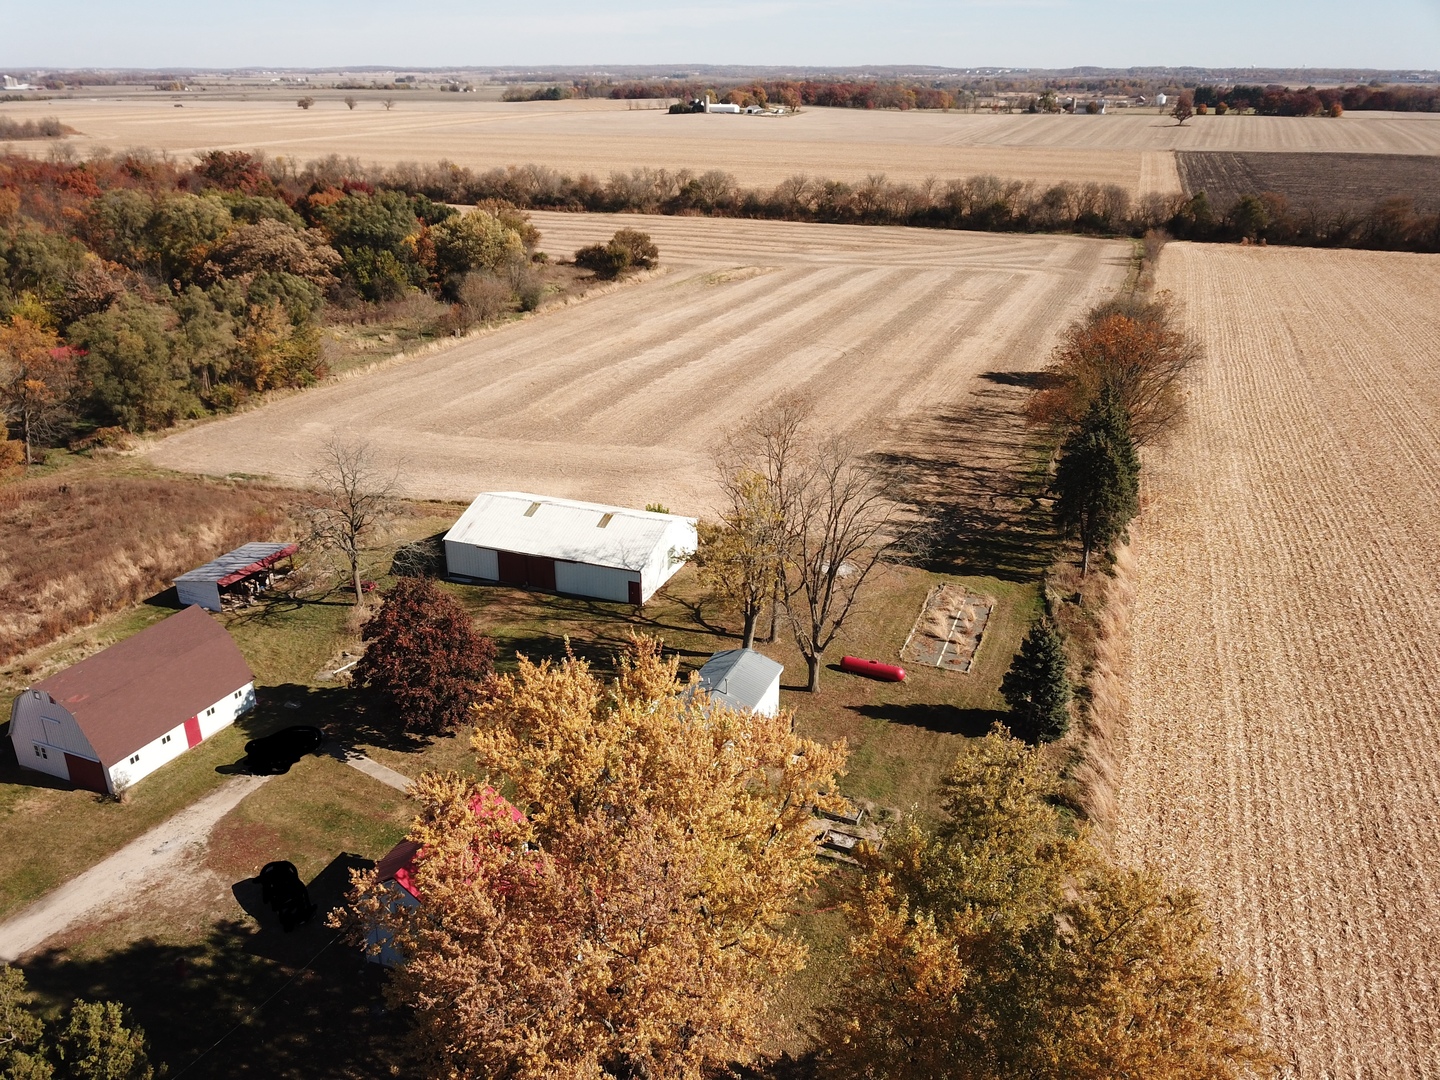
(571, 531)
(244, 560)
(739, 677)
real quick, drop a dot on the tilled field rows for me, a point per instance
(625, 397)
(1284, 747)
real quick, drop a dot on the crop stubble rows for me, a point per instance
(1285, 694)
(624, 397)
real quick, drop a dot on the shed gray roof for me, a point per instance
(739, 677)
(236, 564)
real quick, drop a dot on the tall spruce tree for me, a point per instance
(1098, 478)
(1037, 686)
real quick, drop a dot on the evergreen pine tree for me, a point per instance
(1098, 479)
(1037, 687)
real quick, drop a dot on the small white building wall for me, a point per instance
(204, 593)
(770, 704)
(667, 559)
(466, 560)
(29, 728)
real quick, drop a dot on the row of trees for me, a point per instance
(1309, 101)
(1114, 385)
(95, 1040)
(985, 203)
(135, 293)
(627, 910)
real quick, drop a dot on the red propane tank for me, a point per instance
(857, 665)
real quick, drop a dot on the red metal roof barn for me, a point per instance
(119, 715)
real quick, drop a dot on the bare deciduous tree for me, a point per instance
(389, 104)
(771, 442)
(842, 525)
(355, 497)
(350, 101)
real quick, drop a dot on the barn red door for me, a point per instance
(85, 773)
(634, 592)
(540, 573)
(192, 731)
(512, 568)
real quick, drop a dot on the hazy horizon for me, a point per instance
(1393, 34)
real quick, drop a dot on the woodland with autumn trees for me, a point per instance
(136, 291)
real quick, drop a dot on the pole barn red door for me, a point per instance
(192, 731)
(540, 573)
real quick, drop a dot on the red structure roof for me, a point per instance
(150, 683)
(398, 864)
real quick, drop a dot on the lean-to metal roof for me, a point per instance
(573, 531)
(234, 565)
(739, 677)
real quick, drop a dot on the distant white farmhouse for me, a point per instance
(743, 679)
(119, 715)
(559, 545)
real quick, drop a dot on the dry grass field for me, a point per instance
(1131, 148)
(1285, 689)
(624, 396)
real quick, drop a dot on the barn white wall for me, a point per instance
(601, 582)
(29, 728)
(149, 757)
(466, 560)
(204, 593)
(223, 713)
(668, 557)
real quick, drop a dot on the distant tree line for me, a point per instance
(1309, 101)
(984, 203)
(46, 128)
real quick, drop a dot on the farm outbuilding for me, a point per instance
(240, 573)
(559, 545)
(743, 679)
(119, 715)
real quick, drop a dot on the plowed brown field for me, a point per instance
(624, 397)
(1284, 746)
(1130, 148)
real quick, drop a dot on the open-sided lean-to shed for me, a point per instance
(559, 545)
(205, 584)
(119, 715)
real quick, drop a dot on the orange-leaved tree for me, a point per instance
(1132, 350)
(631, 918)
(37, 379)
(1003, 946)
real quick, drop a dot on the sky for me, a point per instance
(958, 33)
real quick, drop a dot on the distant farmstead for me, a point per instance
(239, 575)
(119, 715)
(559, 545)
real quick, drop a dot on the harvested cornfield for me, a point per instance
(1285, 660)
(627, 395)
(1324, 182)
(77, 550)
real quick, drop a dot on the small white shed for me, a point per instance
(560, 545)
(119, 715)
(743, 679)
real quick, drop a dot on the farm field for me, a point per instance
(1133, 149)
(625, 396)
(1325, 182)
(1285, 695)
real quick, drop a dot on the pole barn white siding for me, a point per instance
(593, 549)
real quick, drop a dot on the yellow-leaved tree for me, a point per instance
(1003, 946)
(629, 918)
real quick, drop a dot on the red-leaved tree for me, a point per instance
(426, 661)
